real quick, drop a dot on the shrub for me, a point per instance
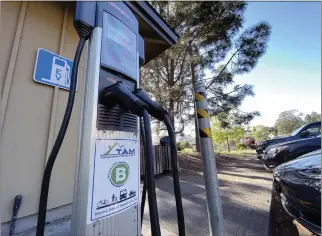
(250, 142)
(187, 145)
(180, 146)
(241, 146)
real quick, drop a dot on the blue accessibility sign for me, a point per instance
(52, 69)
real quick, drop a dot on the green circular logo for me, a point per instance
(119, 173)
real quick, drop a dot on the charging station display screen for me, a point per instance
(119, 46)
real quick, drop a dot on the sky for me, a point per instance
(288, 76)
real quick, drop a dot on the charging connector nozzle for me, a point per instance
(154, 109)
(119, 94)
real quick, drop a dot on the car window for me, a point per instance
(314, 130)
(298, 130)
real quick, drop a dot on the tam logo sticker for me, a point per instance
(115, 180)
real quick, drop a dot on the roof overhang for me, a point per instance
(157, 34)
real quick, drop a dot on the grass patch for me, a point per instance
(237, 153)
(188, 151)
(246, 152)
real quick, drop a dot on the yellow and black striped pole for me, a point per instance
(209, 162)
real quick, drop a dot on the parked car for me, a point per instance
(298, 187)
(279, 153)
(305, 131)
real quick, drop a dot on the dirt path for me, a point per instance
(246, 194)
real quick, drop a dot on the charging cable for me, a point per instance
(158, 112)
(84, 31)
(175, 175)
(144, 176)
(119, 94)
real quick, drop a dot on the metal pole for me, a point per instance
(214, 206)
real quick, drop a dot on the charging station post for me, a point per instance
(214, 205)
(107, 181)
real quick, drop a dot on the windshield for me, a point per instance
(297, 131)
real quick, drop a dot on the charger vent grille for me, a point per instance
(116, 118)
(141, 62)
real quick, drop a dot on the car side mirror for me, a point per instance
(305, 133)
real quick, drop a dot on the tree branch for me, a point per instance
(211, 82)
(180, 130)
(160, 72)
(181, 67)
(236, 89)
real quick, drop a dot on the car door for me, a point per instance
(314, 130)
(311, 131)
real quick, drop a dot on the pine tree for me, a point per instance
(208, 32)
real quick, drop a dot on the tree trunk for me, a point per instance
(171, 100)
(228, 145)
(193, 80)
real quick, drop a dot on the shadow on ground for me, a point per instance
(249, 208)
(243, 215)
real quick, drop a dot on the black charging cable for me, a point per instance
(158, 112)
(118, 93)
(60, 137)
(155, 225)
(144, 176)
(175, 175)
(84, 30)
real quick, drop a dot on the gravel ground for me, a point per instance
(246, 189)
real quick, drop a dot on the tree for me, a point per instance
(248, 48)
(261, 132)
(288, 121)
(222, 135)
(208, 32)
(314, 116)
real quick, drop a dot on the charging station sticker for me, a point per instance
(115, 177)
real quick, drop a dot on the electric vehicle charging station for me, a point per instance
(107, 183)
(107, 179)
(158, 36)
(120, 214)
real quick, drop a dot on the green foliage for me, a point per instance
(181, 145)
(314, 116)
(237, 153)
(209, 31)
(241, 146)
(249, 47)
(221, 135)
(250, 142)
(288, 121)
(261, 132)
(189, 151)
(187, 145)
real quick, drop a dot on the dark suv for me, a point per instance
(305, 131)
(277, 154)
